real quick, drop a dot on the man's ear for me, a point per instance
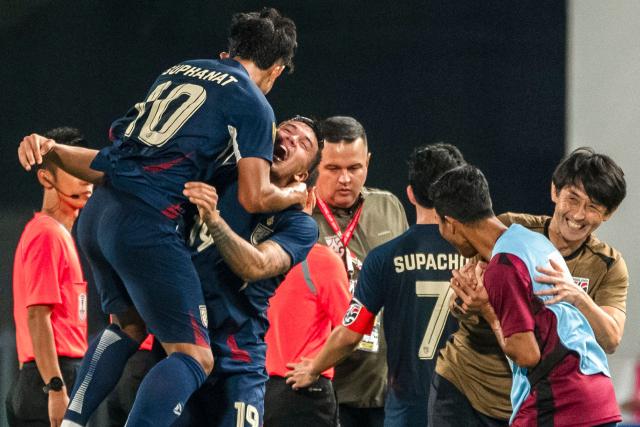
(224, 55)
(301, 176)
(554, 193)
(45, 178)
(410, 195)
(368, 158)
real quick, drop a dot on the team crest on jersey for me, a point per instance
(260, 234)
(352, 313)
(82, 307)
(204, 318)
(334, 243)
(583, 282)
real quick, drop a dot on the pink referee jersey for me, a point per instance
(47, 271)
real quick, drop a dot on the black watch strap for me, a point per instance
(55, 384)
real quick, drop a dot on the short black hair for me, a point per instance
(313, 166)
(263, 37)
(342, 128)
(63, 135)
(602, 179)
(427, 163)
(463, 194)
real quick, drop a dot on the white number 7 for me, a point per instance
(442, 293)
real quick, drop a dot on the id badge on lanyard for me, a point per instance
(371, 342)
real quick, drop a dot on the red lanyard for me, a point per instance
(348, 232)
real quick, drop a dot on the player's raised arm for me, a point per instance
(256, 193)
(74, 160)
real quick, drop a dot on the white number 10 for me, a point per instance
(149, 132)
(442, 293)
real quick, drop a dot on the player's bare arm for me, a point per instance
(607, 322)
(74, 160)
(248, 262)
(44, 350)
(340, 344)
(256, 193)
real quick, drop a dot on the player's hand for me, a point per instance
(467, 284)
(205, 197)
(58, 402)
(33, 148)
(299, 193)
(563, 286)
(310, 204)
(301, 376)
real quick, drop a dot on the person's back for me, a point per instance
(306, 307)
(573, 371)
(188, 126)
(409, 277)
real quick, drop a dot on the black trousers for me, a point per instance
(27, 404)
(448, 407)
(314, 406)
(350, 416)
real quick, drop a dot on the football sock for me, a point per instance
(165, 390)
(99, 373)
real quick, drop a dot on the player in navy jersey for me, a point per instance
(240, 270)
(408, 277)
(198, 118)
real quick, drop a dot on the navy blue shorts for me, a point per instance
(402, 413)
(139, 259)
(233, 394)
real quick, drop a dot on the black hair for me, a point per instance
(427, 163)
(462, 193)
(602, 179)
(63, 135)
(342, 128)
(263, 37)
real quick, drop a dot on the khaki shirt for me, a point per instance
(473, 361)
(360, 380)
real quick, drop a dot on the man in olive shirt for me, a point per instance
(353, 220)
(473, 380)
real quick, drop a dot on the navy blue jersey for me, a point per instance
(197, 116)
(228, 298)
(409, 276)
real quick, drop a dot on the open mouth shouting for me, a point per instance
(280, 151)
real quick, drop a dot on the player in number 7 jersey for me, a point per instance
(408, 277)
(200, 119)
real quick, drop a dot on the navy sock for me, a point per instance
(165, 390)
(99, 373)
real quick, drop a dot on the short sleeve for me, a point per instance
(509, 288)
(334, 293)
(613, 289)
(296, 233)
(253, 126)
(370, 289)
(43, 261)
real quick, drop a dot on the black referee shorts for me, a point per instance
(27, 404)
(314, 406)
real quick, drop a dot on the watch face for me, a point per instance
(55, 384)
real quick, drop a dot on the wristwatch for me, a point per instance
(55, 384)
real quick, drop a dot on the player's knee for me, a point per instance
(206, 361)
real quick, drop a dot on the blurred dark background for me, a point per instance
(488, 77)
